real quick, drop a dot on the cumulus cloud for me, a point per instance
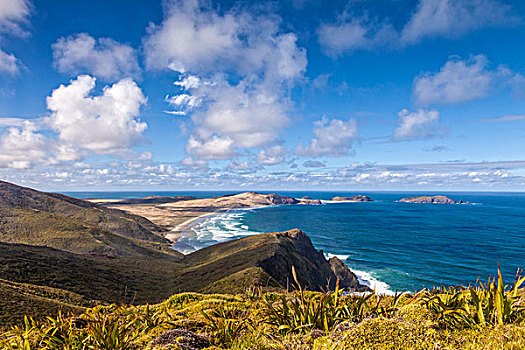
(13, 14)
(20, 147)
(194, 37)
(417, 125)
(249, 114)
(8, 63)
(104, 58)
(350, 34)
(333, 138)
(430, 19)
(272, 155)
(236, 68)
(457, 81)
(241, 166)
(463, 80)
(103, 124)
(6, 121)
(213, 148)
(454, 18)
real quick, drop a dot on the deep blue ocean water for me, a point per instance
(388, 244)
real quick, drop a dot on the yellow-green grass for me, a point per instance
(295, 320)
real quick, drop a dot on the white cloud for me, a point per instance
(333, 138)
(8, 63)
(237, 69)
(454, 18)
(457, 81)
(249, 114)
(183, 103)
(212, 148)
(188, 38)
(21, 147)
(241, 166)
(430, 19)
(104, 124)
(351, 34)
(4, 122)
(104, 58)
(462, 80)
(194, 37)
(272, 155)
(416, 125)
(12, 14)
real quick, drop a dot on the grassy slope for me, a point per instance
(122, 280)
(230, 266)
(57, 221)
(17, 299)
(133, 226)
(41, 228)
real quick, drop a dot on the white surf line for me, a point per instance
(175, 233)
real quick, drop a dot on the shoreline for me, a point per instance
(183, 229)
(174, 234)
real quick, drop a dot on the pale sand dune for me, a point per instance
(178, 215)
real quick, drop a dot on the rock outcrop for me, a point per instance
(347, 279)
(275, 254)
(356, 198)
(428, 199)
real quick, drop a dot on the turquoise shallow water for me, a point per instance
(389, 244)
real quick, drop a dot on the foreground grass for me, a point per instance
(486, 316)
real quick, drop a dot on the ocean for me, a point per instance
(389, 245)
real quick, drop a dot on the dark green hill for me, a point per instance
(109, 280)
(56, 221)
(273, 253)
(133, 226)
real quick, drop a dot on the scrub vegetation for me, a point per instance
(486, 316)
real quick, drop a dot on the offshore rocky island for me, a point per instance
(102, 274)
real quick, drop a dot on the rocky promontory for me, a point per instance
(428, 199)
(356, 198)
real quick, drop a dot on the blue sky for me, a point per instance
(350, 95)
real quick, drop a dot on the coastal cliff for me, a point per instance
(274, 254)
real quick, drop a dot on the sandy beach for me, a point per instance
(174, 234)
(180, 213)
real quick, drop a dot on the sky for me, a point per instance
(421, 95)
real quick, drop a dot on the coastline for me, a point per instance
(175, 233)
(194, 212)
